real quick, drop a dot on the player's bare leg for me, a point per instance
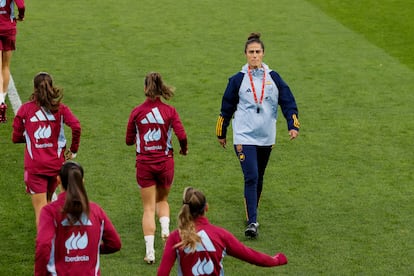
(148, 196)
(163, 211)
(38, 201)
(4, 83)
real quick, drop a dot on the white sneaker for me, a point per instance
(150, 258)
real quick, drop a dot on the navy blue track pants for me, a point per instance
(253, 160)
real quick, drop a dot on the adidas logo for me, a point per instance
(42, 116)
(153, 117)
(76, 242)
(84, 220)
(248, 90)
(205, 245)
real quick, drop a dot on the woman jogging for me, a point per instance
(150, 128)
(73, 231)
(8, 33)
(40, 124)
(200, 246)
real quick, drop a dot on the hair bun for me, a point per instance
(254, 36)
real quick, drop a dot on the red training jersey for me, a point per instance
(7, 16)
(43, 133)
(64, 249)
(216, 242)
(150, 127)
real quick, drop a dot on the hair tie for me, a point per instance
(186, 203)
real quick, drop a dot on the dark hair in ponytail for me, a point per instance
(76, 203)
(154, 86)
(194, 205)
(44, 93)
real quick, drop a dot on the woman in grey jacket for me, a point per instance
(252, 98)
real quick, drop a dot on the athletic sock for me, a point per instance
(2, 97)
(149, 244)
(165, 226)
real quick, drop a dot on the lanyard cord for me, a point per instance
(254, 90)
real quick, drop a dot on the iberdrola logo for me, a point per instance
(76, 242)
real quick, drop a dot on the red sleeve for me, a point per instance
(46, 232)
(240, 251)
(131, 131)
(111, 242)
(18, 129)
(73, 122)
(21, 7)
(19, 4)
(169, 256)
(179, 130)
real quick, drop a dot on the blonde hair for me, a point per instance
(154, 87)
(194, 205)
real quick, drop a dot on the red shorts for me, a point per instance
(37, 183)
(7, 42)
(160, 174)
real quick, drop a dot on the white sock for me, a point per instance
(2, 97)
(165, 226)
(149, 244)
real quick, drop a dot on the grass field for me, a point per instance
(338, 200)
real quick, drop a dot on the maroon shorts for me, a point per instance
(160, 174)
(7, 42)
(37, 183)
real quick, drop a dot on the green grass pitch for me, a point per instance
(337, 201)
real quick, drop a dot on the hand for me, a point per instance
(293, 133)
(20, 18)
(69, 155)
(184, 151)
(222, 142)
(281, 258)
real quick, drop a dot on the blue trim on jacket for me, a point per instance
(230, 100)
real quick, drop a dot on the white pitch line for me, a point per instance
(14, 96)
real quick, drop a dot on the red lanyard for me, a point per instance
(254, 90)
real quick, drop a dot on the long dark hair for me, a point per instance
(154, 86)
(194, 206)
(253, 38)
(77, 202)
(44, 93)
